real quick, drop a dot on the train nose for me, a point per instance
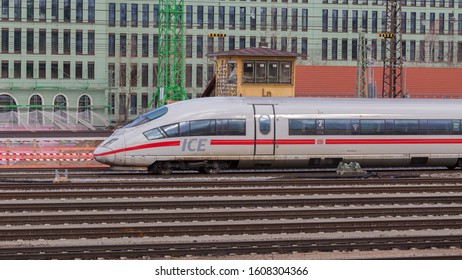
(104, 155)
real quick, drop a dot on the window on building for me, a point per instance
(67, 10)
(325, 17)
(30, 69)
(155, 45)
(133, 104)
(284, 19)
(42, 41)
(242, 42)
(200, 17)
(304, 19)
(354, 49)
(42, 10)
(199, 75)
(294, 19)
(364, 20)
(111, 44)
(134, 45)
(188, 75)
(60, 109)
(242, 18)
(30, 41)
(334, 49)
(210, 45)
(122, 75)
(17, 41)
(91, 70)
(79, 42)
(145, 45)
(84, 109)
(304, 48)
(263, 19)
(17, 69)
(67, 41)
(154, 74)
(189, 16)
(354, 21)
(5, 69)
(112, 12)
(334, 20)
(5, 40)
(54, 70)
(123, 15)
(144, 100)
(66, 70)
(91, 42)
(78, 70)
(111, 75)
(30, 10)
(189, 46)
(324, 49)
(344, 20)
(134, 15)
(253, 18)
(210, 17)
(17, 10)
(134, 75)
(79, 10)
(35, 110)
(91, 10)
(144, 75)
(145, 15)
(274, 19)
(155, 15)
(54, 41)
(293, 44)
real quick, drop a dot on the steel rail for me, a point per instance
(185, 203)
(224, 215)
(256, 190)
(220, 248)
(229, 228)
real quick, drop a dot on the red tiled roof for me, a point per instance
(340, 81)
(255, 52)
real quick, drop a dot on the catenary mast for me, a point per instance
(170, 73)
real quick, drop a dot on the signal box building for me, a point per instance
(253, 72)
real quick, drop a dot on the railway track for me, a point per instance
(184, 217)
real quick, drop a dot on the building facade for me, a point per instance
(96, 61)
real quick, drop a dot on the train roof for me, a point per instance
(431, 108)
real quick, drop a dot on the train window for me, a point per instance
(337, 127)
(456, 126)
(230, 127)
(171, 130)
(423, 126)
(319, 127)
(372, 127)
(184, 129)
(249, 72)
(302, 127)
(265, 124)
(202, 127)
(153, 134)
(440, 127)
(355, 128)
(147, 117)
(407, 127)
(389, 125)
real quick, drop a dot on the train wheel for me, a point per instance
(212, 168)
(161, 168)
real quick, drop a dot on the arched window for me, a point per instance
(84, 108)
(8, 110)
(60, 109)
(35, 110)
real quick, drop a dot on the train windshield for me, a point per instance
(149, 116)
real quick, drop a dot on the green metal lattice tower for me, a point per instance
(170, 73)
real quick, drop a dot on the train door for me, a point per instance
(264, 129)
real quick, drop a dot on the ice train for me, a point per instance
(210, 134)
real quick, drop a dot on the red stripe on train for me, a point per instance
(140, 147)
(391, 141)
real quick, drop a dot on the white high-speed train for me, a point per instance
(209, 134)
